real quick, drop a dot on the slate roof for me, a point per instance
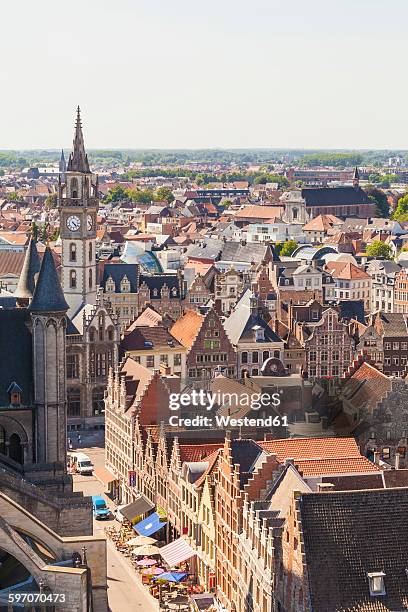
(157, 281)
(245, 453)
(348, 534)
(334, 196)
(147, 338)
(48, 294)
(249, 252)
(352, 309)
(210, 249)
(29, 272)
(117, 271)
(15, 354)
(239, 325)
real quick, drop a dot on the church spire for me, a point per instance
(78, 160)
(356, 177)
(48, 295)
(28, 276)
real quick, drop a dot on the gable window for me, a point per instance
(376, 583)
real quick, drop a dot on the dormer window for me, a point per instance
(259, 333)
(376, 583)
(125, 285)
(14, 392)
(174, 291)
(110, 285)
(155, 293)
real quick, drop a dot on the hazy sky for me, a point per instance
(210, 73)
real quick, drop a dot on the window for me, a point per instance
(90, 253)
(312, 356)
(265, 355)
(73, 366)
(98, 403)
(177, 359)
(244, 357)
(90, 278)
(72, 279)
(100, 364)
(164, 359)
(387, 346)
(74, 187)
(150, 361)
(395, 346)
(73, 402)
(72, 252)
(376, 583)
(255, 357)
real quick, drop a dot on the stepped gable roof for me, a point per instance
(117, 272)
(348, 535)
(334, 196)
(29, 272)
(16, 351)
(48, 294)
(186, 328)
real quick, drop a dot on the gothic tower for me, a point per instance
(78, 204)
(47, 311)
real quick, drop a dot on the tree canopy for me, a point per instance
(401, 212)
(286, 248)
(164, 194)
(379, 249)
(381, 201)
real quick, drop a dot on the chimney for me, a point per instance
(325, 487)
(397, 461)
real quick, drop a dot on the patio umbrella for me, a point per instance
(141, 541)
(155, 571)
(146, 562)
(173, 576)
(147, 549)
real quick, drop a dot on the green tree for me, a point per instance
(380, 200)
(142, 196)
(379, 249)
(288, 247)
(401, 212)
(117, 194)
(51, 201)
(13, 196)
(164, 194)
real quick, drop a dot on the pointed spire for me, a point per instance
(356, 177)
(29, 274)
(48, 295)
(78, 160)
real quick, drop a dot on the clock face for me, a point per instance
(89, 223)
(73, 223)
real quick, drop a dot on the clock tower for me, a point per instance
(78, 203)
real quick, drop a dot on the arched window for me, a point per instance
(74, 187)
(72, 252)
(92, 334)
(15, 448)
(101, 325)
(2, 441)
(90, 252)
(295, 213)
(72, 279)
(90, 278)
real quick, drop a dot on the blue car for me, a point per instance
(100, 510)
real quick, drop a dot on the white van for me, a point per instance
(81, 463)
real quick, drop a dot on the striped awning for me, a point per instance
(176, 552)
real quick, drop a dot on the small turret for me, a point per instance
(48, 295)
(356, 178)
(28, 277)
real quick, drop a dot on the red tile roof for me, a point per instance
(311, 448)
(346, 465)
(197, 452)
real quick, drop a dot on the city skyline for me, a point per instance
(149, 75)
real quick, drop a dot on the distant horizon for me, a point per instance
(178, 149)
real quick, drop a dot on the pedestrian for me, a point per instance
(79, 439)
(69, 444)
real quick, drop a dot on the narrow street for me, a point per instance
(125, 592)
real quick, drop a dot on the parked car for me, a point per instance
(81, 463)
(100, 509)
